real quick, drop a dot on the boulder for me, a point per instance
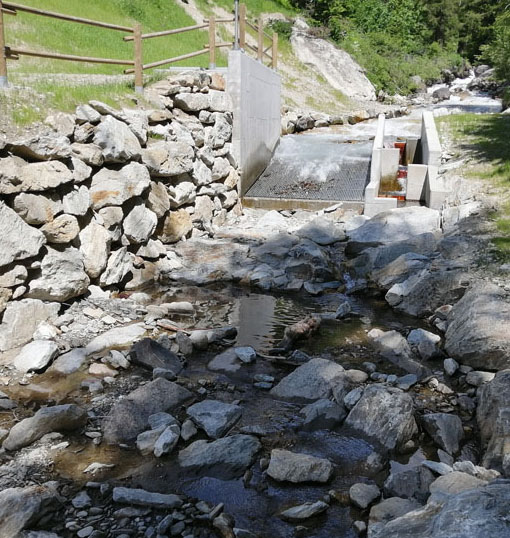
(183, 193)
(37, 209)
(18, 176)
(384, 414)
(493, 417)
(77, 201)
(386, 511)
(226, 458)
(21, 319)
(178, 224)
(442, 94)
(322, 231)
(62, 276)
(90, 154)
(117, 141)
(118, 267)
(214, 417)
(149, 354)
(61, 230)
(117, 337)
(446, 430)
(322, 415)
(140, 497)
(399, 270)
(57, 418)
(312, 381)
(69, 362)
(168, 159)
(392, 226)
(409, 482)
(191, 102)
(304, 511)
(12, 276)
(95, 244)
(20, 508)
(453, 483)
(363, 495)
(129, 416)
(425, 343)
(226, 362)
(286, 466)
(158, 200)
(42, 148)
(139, 223)
(35, 356)
(479, 328)
(19, 240)
(114, 187)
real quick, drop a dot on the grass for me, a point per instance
(484, 138)
(254, 7)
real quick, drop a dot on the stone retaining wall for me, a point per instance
(96, 199)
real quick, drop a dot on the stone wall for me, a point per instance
(96, 199)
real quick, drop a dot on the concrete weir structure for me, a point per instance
(422, 157)
(255, 91)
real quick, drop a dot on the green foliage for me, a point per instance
(498, 52)
(282, 28)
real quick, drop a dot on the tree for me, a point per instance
(497, 52)
(443, 21)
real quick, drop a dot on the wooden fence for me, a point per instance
(136, 65)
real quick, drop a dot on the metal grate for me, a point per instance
(347, 184)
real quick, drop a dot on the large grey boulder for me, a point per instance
(117, 141)
(129, 416)
(37, 209)
(57, 418)
(225, 458)
(62, 276)
(392, 226)
(35, 356)
(493, 417)
(20, 507)
(446, 430)
(384, 414)
(286, 466)
(168, 159)
(214, 417)
(113, 188)
(312, 381)
(399, 270)
(18, 240)
(95, 244)
(21, 319)
(479, 328)
(409, 482)
(322, 231)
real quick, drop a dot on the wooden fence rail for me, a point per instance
(137, 67)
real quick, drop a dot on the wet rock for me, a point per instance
(304, 511)
(388, 510)
(62, 276)
(409, 483)
(82, 500)
(140, 497)
(149, 354)
(245, 354)
(493, 418)
(167, 441)
(214, 417)
(363, 495)
(384, 414)
(446, 430)
(343, 310)
(312, 381)
(129, 416)
(425, 343)
(227, 362)
(118, 143)
(450, 366)
(299, 331)
(47, 419)
(392, 226)
(35, 356)
(322, 415)
(322, 231)
(19, 240)
(117, 337)
(442, 94)
(21, 507)
(225, 458)
(286, 466)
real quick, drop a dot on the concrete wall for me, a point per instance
(256, 95)
(430, 144)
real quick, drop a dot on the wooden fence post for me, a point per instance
(242, 26)
(275, 51)
(3, 59)
(212, 42)
(138, 58)
(260, 48)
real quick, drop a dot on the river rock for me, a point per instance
(140, 497)
(168, 159)
(409, 483)
(446, 430)
(63, 229)
(62, 276)
(22, 507)
(286, 466)
(425, 343)
(149, 354)
(304, 511)
(450, 366)
(167, 441)
(392, 226)
(129, 416)
(114, 187)
(322, 415)
(312, 381)
(479, 328)
(363, 495)
(21, 319)
(493, 417)
(387, 510)
(226, 458)
(139, 223)
(477, 378)
(57, 418)
(118, 143)
(35, 356)
(399, 270)
(214, 417)
(227, 362)
(453, 483)
(69, 362)
(322, 231)
(384, 414)
(19, 240)
(119, 337)
(95, 244)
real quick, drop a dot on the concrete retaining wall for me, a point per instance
(255, 91)
(430, 145)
